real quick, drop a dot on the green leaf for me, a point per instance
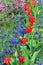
(34, 56)
(33, 43)
(26, 62)
(12, 60)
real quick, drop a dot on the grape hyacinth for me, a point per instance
(21, 33)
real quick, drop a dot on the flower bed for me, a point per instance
(21, 33)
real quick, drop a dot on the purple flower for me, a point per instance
(22, 19)
(39, 63)
(7, 51)
(19, 55)
(37, 32)
(21, 29)
(16, 32)
(19, 4)
(12, 40)
(4, 34)
(16, 18)
(19, 25)
(21, 34)
(39, 36)
(2, 55)
(12, 45)
(0, 60)
(21, 12)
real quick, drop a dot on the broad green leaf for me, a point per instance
(34, 56)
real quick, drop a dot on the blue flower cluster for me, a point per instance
(10, 37)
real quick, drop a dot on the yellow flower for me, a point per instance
(15, 54)
(33, 30)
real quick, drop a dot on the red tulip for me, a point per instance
(29, 29)
(34, 2)
(31, 19)
(28, 3)
(25, 4)
(23, 40)
(27, 8)
(28, 11)
(6, 59)
(21, 58)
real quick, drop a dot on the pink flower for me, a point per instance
(19, 3)
(22, 0)
(2, 6)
